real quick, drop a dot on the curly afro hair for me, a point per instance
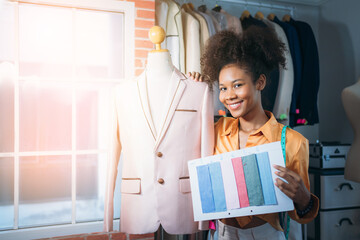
(257, 50)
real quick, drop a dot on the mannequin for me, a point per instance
(162, 119)
(351, 100)
(158, 72)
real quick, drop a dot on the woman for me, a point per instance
(241, 64)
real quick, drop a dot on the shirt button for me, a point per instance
(159, 154)
(161, 181)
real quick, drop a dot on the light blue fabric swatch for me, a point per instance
(267, 184)
(252, 179)
(205, 189)
(217, 186)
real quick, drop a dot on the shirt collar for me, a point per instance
(231, 128)
(269, 129)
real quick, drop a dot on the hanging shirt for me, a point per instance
(310, 79)
(297, 160)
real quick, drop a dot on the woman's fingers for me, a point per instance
(287, 174)
(285, 188)
(195, 76)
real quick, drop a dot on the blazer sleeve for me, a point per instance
(207, 134)
(111, 173)
(207, 124)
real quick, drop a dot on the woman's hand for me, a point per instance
(195, 76)
(294, 189)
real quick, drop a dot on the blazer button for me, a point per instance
(159, 154)
(161, 181)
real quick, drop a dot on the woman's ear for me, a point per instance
(261, 82)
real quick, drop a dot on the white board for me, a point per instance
(233, 209)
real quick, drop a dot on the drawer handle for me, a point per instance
(344, 220)
(340, 187)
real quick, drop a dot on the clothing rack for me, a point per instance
(260, 4)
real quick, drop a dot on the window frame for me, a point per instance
(124, 7)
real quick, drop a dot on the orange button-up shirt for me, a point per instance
(297, 160)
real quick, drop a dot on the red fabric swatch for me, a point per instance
(240, 181)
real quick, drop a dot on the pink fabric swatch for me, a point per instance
(240, 182)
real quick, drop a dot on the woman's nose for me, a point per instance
(230, 94)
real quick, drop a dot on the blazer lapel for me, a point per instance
(176, 90)
(144, 101)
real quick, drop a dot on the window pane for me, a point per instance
(93, 111)
(7, 31)
(46, 41)
(45, 190)
(7, 78)
(99, 44)
(6, 193)
(90, 187)
(45, 116)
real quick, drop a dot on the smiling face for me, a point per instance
(238, 92)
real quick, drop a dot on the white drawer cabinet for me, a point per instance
(336, 192)
(339, 212)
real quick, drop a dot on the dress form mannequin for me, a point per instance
(351, 100)
(158, 73)
(155, 184)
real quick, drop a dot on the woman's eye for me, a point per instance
(222, 89)
(238, 85)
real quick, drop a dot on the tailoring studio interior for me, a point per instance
(59, 62)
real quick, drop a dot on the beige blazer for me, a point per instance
(155, 180)
(204, 31)
(175, 36)
(191, 29)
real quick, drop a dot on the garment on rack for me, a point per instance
(286, 79)
(249, 21)
(174, 41)
(215, 23)
(220, 18)
(268, 95)
(191, 30)
(233, 23)
(204, 31)
(209, 23)
(175, 35)
(295, 52)
(310, 79)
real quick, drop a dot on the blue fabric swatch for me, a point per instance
(217, 186)
(205, 189)
(252, 179)
(267, 184)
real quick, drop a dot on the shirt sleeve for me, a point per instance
(300, 164)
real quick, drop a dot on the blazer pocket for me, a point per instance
(131, 185)
(184, 185)
(185, 110)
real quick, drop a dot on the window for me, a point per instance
(58, 63)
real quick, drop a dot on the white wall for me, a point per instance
(339, 47)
